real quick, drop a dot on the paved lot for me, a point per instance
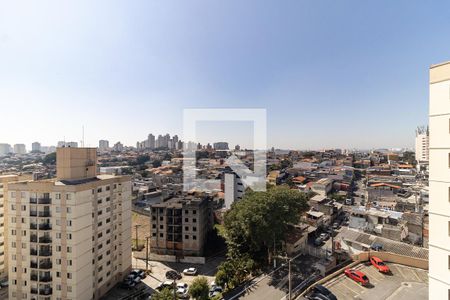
(405, 283)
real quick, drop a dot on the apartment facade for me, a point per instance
(69, 238)
(439, 181)
(234, 189)
(179, 226)
(4, 180)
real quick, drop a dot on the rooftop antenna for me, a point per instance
(82, 136)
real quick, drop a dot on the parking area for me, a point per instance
(404, 283)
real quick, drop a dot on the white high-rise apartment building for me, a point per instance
(36, 146)
(422, 145)
(69, 237)
(20, 149)
(439, 179)
(103, 145)
(233, 189)
(4, 180)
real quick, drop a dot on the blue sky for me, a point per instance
(347, 74)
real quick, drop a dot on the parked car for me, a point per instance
(377, 247)
(318, 241)
(357, 276)
(174, 275)
(335, 225)
(190, 271)
(316, 296)
(324, 236)
(379, 264)
(321, 290)
(165, 284)
(182, 290)
(215, 290)
(134, 278)
(139, 272)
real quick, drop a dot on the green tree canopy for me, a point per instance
(50, 159)
(199, 288)
(261, 219)
(165, 294)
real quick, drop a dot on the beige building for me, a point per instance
(439, 209)
(70, 237)
(180, 226)
(4, 179)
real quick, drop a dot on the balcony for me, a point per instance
(34, 277)
(45, 291)
(45, 253)
(34, 290)
(33, 238)
(33, 252)
(44, 201)
(45, 239)
(45, 279)
(33, 200)
(45, 226)
(45, 214)
(33, 226)
(45, 265)
(33, 213)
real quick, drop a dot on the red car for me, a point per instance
(357, 276)
(379, 264)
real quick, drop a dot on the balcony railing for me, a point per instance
(45, 239)
(33, 252)
(33, 213)
(45, 291)
(45, 253)
(33, 238)
(45, 226)
(34, 290)
(45, 279)
(33, 200)
(44, 201)
(45, 265)
(33, 226)
(44, 214)
(33, 277)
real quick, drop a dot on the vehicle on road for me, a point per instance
(173, 275)
(318, 297)
(379, 264)
(335, 225)
(324, 236)
(165, 284)
(215, 290)
(182, 290)
(318, 242)
(139, 272)
(190, 271)
(357, 276)
(377, 247)
(321, 290)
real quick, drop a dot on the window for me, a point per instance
(186, 212)
(58, 274)
(68, 196)
(194, 212)
(161, 226)
(161, 235)
(194, 237)
(186, 228)
(194, 220)
(194, 228)
(186, 220)
(69, 210)
(69, 276)
(58, 196)
(69, 222)
(186, 237)
(13, 207)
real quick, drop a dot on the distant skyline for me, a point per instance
(347, 74)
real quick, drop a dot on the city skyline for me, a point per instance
(122, 73)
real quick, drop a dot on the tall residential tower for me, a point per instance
(69, 237)
(439, 210)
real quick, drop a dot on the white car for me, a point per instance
(182, 291)
(190, 271)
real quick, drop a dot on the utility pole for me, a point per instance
(136, 227)
(146, 255)
(290, 279)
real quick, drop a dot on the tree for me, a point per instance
(256, 224)
(142, 159)
(285, 163)
(165, 294)
(199, 289)
(233, 272)
(50, 159)
(156, 163)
